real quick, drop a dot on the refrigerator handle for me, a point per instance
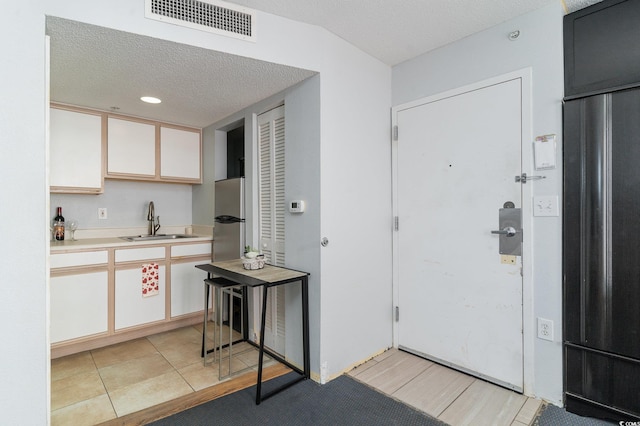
(228, 219)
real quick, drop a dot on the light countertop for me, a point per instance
(108, 242)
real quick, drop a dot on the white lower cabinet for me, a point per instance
(98, 295)
(131, 308)
(187, 288)
(79, 305)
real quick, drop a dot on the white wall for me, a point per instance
(346, 188)
(356, 212)
(353, 302)
(489, 54)
(127, 205)
(202, 195)
(354, 168)
(302, 182)
(302, 168)
(24, 217)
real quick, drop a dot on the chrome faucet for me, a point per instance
(154, 222)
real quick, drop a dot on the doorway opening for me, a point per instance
(235, 152)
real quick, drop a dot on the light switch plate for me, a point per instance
(102, 213)
(545, 205)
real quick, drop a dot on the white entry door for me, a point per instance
(455, 161)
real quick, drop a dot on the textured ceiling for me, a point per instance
(396, 30)
(101, 68)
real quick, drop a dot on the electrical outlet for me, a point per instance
(545, 329)
(102, 213)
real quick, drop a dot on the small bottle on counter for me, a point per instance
(58, 226)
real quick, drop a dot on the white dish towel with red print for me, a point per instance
(150, 279)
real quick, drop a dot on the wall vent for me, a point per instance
(213, 16)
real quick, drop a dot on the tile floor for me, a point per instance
(99, 385)
(450, 396)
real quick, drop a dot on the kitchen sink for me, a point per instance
(147, 237)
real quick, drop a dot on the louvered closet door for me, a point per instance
(272, 208)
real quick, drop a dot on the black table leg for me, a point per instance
(305, 327)
(206, 317)
(306, 372)
(261, 353)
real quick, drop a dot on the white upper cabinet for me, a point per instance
(75, 146)
(87, 146)
(179, 154)
(131, 148)
(152, 151)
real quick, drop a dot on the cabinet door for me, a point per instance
(179, 154)
(131, 148)
(131, 308)
(187, 288)
(75, 141)
(79, 305)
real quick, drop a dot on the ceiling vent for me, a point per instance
(213, 16)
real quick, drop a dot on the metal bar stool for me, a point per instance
(223, 287)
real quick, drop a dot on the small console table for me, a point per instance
(269, 276)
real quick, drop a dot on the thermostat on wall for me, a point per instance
(296, 206)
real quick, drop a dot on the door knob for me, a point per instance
(509, 231)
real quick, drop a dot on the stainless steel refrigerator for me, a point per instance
(229, 229)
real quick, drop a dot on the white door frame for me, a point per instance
(528, 323)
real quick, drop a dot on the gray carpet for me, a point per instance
(343, 401)
(556, 416)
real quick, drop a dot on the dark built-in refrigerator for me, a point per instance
(601, 211)
(602, 255)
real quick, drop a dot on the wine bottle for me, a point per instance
(58, 226)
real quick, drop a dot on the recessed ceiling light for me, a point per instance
(150, 100)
